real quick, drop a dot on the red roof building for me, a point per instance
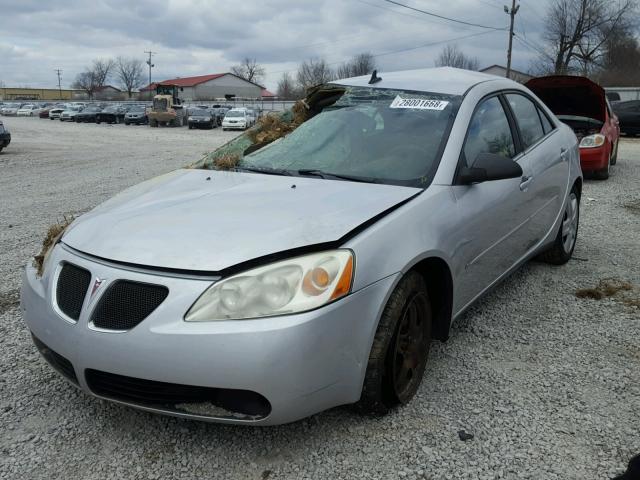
(212, 87)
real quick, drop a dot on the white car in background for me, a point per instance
(253, 116)
(236, 118)
(11, 109)
(70, 113)
(56, 111)
(28, 110)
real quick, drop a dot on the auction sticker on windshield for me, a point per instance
(419, 103)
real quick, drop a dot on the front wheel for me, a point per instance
(565, 242)
(400, 348)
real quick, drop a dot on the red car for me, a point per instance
(583, 105)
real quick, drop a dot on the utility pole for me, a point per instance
(151, 65)
(59, 72)
(512, 13)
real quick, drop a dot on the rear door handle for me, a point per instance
(524, 184)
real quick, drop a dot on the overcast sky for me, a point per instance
(195, 37)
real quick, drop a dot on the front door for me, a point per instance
(492, 215)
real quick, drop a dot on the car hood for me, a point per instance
(570, 95)
(210, 220)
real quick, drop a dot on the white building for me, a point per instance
(211, 87)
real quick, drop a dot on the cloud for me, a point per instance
(197, 36)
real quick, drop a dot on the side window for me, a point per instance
(526, 114)
(489, 132)
(546, 123)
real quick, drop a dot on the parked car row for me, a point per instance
(199, 116)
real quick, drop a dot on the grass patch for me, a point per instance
(621, 290)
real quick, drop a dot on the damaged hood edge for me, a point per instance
(184, 221)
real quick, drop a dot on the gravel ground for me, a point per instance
(548, 384)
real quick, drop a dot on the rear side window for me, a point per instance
(489, 132)
(546, 123)
(526, 114)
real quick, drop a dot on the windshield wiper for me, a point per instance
(266, 171)
(313, 172)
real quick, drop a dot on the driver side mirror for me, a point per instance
(487, 167)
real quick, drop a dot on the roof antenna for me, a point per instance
(374, 78)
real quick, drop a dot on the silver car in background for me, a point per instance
(316, 272)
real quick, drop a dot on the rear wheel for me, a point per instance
(400, 348)
(565, 241)
(153, 123)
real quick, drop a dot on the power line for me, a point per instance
(462, 22)
(431, 44)
(530, 45)
(424, 45)
(422, 18)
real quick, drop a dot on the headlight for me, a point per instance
(592, 141)
(289, 286)
(190, 119)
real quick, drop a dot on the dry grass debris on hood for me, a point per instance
(54, 233)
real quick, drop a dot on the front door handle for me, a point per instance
(524, 183)
(563, 153)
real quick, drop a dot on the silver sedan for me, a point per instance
(314, 271)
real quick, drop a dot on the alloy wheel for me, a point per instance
(570, 223)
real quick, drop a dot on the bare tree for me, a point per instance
(576, 32)
(102, 70)
(130, 73)
(287, 88)
(452, 56)
(620, 63)
(314, 72)
(361, 64)
(250, 70)
(94, 77)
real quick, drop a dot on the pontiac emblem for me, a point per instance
(96, 285)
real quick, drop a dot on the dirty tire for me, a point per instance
(614, 157)
(560, 252)
(386, 383)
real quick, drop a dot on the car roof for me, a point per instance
(446, 80)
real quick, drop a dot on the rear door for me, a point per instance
(545, 164)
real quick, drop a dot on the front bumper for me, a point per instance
(302, 364)
(592, 159)
(241, 126)
(5, 139)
